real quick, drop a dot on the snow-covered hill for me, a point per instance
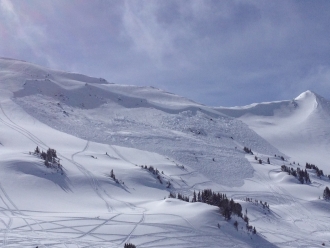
(156, 143)
(299, 128)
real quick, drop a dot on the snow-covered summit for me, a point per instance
(305, 102)
(14, 74)
(307, 94)
(291, 125)
(313, 99)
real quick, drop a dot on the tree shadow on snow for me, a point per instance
(120, 183)
(41, 171)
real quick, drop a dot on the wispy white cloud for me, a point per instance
(24, 34)
(199, 49)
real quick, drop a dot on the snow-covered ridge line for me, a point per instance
(4, 58)
(124, 149)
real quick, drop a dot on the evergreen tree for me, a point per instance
(248, 150)
(326, 193)
(43, 155)
(194, 199)
(307, 177)
(112, 175)
(236, 225)
(199, 199)
(246, 219)
(171, 195)
(129, 245)
(37, 150)
(226, 212)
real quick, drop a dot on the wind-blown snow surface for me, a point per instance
(96, 127)
(300, 128)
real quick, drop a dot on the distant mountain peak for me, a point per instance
(310, 98)
(307, 94)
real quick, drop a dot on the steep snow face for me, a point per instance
(144, 118)
(97, 127)
(14, 73)
(300, 128)
(192, 146)
(84, 207)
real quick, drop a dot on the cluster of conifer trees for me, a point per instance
(182, 197)
(50, 158)
(154, 171)
(248, 150)
(264, 204)
(129, 245)
(319, 172)
(227, 207)
(113, 176)
(259, 160)
(301, 175)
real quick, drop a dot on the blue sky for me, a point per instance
(214, 52)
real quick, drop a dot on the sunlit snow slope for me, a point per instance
(300, 128)
(97, 127)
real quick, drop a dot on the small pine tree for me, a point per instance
(37, 150)
(194, 199)
(171, 195)
(236, 225)
(301, 178)
(43, 155)
(326, 193)
(260, 161)
(268, 161)
(246, 219)
(112, 175)
(199, 198)
(226, 212)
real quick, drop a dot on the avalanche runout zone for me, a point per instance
(97, 127)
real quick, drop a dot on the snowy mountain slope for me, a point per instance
(300, 128)
(84, 207)
(97, 127)
(190, 133)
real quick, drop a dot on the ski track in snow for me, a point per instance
(143, 126)
(40, 223)
(39, 232)
(94, 184)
